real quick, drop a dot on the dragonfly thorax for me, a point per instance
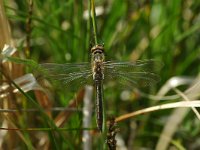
(98, 71)
(97, 63)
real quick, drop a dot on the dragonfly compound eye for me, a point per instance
(97, 49)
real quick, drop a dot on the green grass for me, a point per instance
(167, 31)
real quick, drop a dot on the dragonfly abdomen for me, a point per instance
(98, 77)
(99, 104)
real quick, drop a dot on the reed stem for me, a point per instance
(94, 24)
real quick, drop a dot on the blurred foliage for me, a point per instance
(168, 31)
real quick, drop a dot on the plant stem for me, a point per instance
(94, 24)
(29, 28)
(88, 27)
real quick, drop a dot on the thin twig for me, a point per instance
(37, 110)
(194, 103)
(187, 99)
(46, 129)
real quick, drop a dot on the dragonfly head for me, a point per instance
(97, 53)
(97, 49)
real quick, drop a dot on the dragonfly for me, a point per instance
(99, 71)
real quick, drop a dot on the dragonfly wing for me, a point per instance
(67, 75)
(138, 73)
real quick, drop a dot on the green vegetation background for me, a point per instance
(168, 31)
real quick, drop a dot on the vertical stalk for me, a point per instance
(28, 27)
(94, 24)
(88, 27)
(101, 105)
(87, 117)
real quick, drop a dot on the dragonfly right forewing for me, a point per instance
(134, 74)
